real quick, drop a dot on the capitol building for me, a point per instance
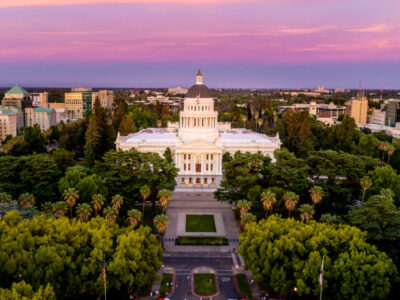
(198, 141)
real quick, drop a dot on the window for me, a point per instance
(182, 181)
(207, 156)
(212, 156)
(206, 167)
(184, 156)
(211, 167)
(198, 168)
(184, 167)
(189, 167)
(197, 181)
(190, 181)
(205, 181)
(189, 156)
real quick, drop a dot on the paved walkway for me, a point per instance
(183, 203)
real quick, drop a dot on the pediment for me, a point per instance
(199, 145)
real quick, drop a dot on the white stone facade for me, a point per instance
(199, 141)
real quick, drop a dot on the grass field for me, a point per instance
(200, 223)
(244, 286)
(166, 284)
(204, 284)
(201, 241)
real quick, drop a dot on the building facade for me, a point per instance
(392, 112)
(39, 98)
(77, 102)
(377, 117)
(198, 141)
(316, 109)
(11, 121)
(43, 117)
(17, 97)
(357, 108)
(106, 98)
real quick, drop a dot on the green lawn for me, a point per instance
(200, 223)
(201, 241)
(204, 284)
(164, 288)
(244, 286)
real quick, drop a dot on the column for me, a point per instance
(194, 163)
(202, 163)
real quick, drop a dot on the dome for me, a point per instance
(198, 91)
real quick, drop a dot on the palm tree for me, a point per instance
(110, 213)
(365, 183)
(164, 197)
(83, 211)
(307, 212)
(161, 222)
(47, 207)
(25, 200)
(60, 208)
(5, 198)
(390, 151)
(98, 202)
(268, 199)
(316, 193)
(134, 217)
(70, 197)
(117, 202)
(291, 200)
(246, 219)
(244, 206)
(383, 146)
(145, 193)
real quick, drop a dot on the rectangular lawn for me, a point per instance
(243, 285)
(204, 284)
(200, 223)
(166, 285)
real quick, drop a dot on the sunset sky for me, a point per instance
(236, 43)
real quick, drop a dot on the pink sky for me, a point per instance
(204, 31)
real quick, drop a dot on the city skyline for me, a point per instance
(239, 44)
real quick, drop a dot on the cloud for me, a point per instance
(374, 28)
(309, 30)
(14, 3)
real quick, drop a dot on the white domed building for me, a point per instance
(198, 141)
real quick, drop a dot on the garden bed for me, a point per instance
(243, 285)
(166, 286)
(201, 241)
(204, 285)
(200, 223)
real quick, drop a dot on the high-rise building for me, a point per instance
(357, 108)
(106, 98)
(392, 112)
(44, 117)
(17, 97)
(11, 120)
(39, 98)
(77, 102)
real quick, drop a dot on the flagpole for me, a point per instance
(104, 277)
(321, 277)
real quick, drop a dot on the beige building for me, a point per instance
(10, 121)
(106, 98)
(61, 111)
(17, 97)
(357, 108)
(44, 117)
(77, 102)
(198, 141)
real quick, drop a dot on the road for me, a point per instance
(184, 263)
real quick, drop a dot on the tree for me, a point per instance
(34, 139)
(83, 211)
(390, 151)
(127, 126)
(70, 196)
(291, 200)
(243, 206)
(145, 193)
(25, 200)
(98, 202)
(365, 183)
(306, 212)
(385, 178)
(316, 193)
(285, 253)
(331, 219)
(346, 133)
(60, 208)
(100, 135)
(117, 201)
(247, 218)
(164, 197)
(134, 217)
(161, 222)
(24, 291)
(89, 186)
(168, 155)
(110, 213)
(381, 219)
(268, 199)
(5, 198)
(63, 158)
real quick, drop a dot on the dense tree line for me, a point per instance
(69, 255)
(285, 256)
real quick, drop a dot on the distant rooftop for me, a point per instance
(42, 109)
(16, 89)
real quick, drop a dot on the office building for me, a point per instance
(17, 97)
(357, 108)
(43, 117)
(106, 98)
(77, 102)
